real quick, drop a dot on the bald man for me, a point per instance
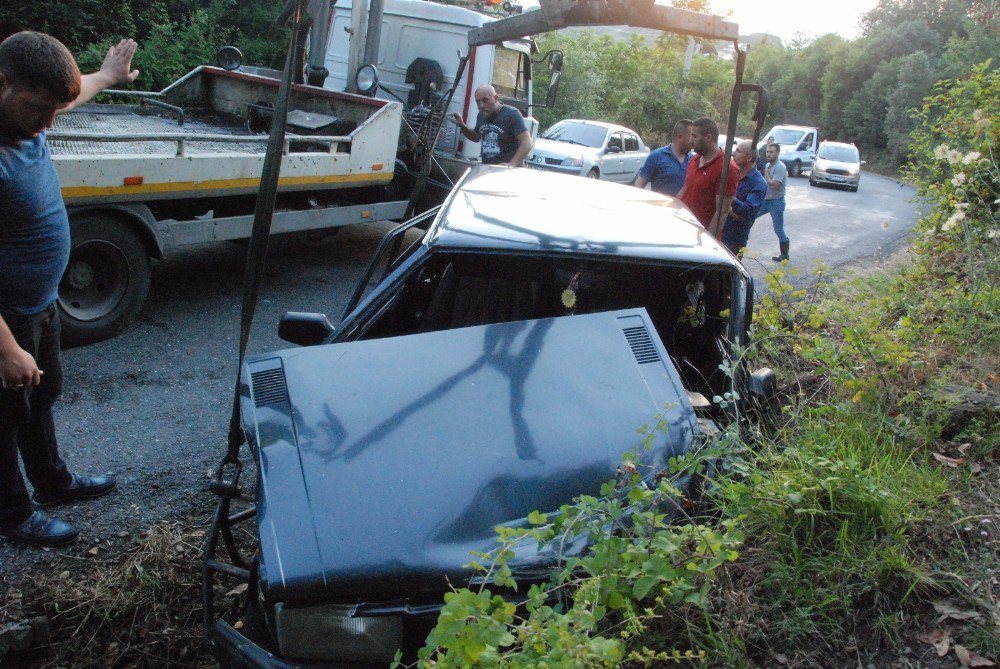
(499, 129)
(749, 197)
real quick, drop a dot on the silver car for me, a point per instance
(591, 149)
(837, 164)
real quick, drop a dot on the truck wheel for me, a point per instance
(796, 170)
(106, 281)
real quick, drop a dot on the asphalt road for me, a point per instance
(153, 404)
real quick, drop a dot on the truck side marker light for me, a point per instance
(132, 181)
(366, 214)
(376, 167)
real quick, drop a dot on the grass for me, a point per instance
(140, 609)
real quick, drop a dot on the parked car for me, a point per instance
(501, 366)
(722, 141)
(798, 146)
(590, 148)
(837, 164)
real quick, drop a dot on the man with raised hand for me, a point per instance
(499, 129)
(38, 79)
(776, 177)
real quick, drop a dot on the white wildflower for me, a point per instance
(961, 206)
(941, 152)
(953, 221)
(954, 156)
(978, 115)
(993, 234)
(958, 179)
(971, 157)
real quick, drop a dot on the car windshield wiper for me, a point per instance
(568, 141)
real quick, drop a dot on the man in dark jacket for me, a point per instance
(38, 79)
(750, 193)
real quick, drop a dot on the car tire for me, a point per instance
(813, 183)
(796, 169)
(853, 189)
(593, 174)
(106, 281)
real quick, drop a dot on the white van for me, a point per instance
(418, 29)
(798, 146)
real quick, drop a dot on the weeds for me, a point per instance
(141, 611)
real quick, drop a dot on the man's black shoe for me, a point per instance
(41, 530)
(82, 487)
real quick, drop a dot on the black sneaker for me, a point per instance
(41, 530)
(81, 487)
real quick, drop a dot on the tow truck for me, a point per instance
(181, 166)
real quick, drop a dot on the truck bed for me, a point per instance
(111, 120)
(109, 153)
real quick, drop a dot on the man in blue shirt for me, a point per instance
(749, 196)
(665, 167)
(38, 79)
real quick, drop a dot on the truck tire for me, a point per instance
(106, 281)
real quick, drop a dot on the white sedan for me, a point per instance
(591, 149)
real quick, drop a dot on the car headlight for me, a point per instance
(572, 162)
(853, 169)
(334, 633)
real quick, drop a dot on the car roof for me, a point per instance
(523, 210)
(600, 124)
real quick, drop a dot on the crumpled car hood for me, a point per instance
(383, 463)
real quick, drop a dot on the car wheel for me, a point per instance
(593, 174)
(796, 169)
(853, 189)
(106, 281)
(813, 183)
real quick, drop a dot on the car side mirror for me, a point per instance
(304, 329)
(864, 162)
(550, 96)
(812, 156)
(614, 149)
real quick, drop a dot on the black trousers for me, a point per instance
(26, 424)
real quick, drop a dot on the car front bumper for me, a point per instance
(836, 179)
(561, 169)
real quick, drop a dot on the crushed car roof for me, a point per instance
(527, 210)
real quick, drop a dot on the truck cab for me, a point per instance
(421, 41)
(798, 146)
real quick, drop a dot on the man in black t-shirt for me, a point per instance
(499, 128)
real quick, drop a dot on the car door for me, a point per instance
(633, 157)
(614, 158)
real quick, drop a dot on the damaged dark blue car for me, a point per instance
(501, 365)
